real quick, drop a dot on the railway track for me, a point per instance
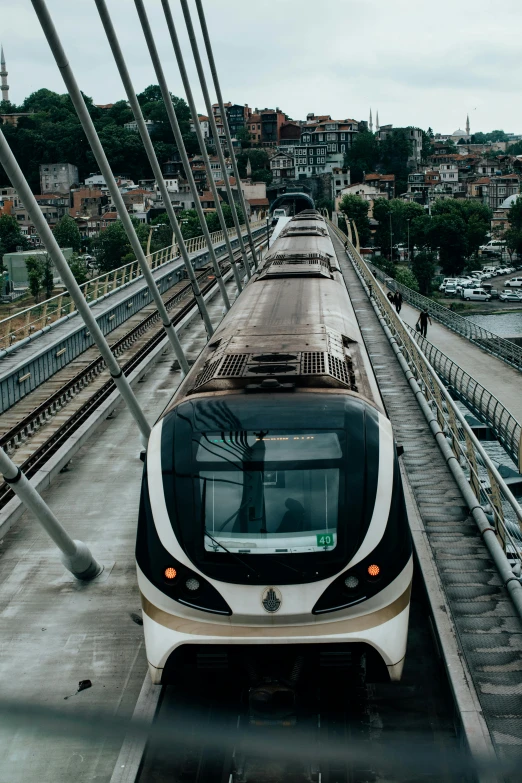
(346, 730)
(35, 435)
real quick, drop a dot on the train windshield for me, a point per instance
(269, 492)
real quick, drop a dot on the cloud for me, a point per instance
(421, 64)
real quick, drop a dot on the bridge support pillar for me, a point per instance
(76, 556)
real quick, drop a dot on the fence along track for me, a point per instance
(35, 461)
(509, 352)
(492, 493)
(20, 325)
(507, 429)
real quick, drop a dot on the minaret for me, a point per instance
(248, 168)
(3, 74)
(377, 123)
(467, 125)
(370, 124)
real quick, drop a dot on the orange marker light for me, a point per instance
(170, 573)
(374, 570)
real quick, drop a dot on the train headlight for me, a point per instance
(351, 582)
(374, 570)
(192, 584)
(170, 574)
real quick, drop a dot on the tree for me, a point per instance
(67, 234)
(258, 158)
(35, 272)
(513, 240)
(401, 212)
(47, 276)
(447, 232)
(476, 216)
(355, 208)
(514, 215)
(112, 248)
(11, 236)
(363, 156)
(395, 151)
(406, 277)
(423, 267)
(78, 268)
(244, 137)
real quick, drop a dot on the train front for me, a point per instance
(273, 519)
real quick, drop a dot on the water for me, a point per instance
(504, 324)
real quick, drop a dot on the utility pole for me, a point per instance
(391, 238)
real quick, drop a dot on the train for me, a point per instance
(272, 531)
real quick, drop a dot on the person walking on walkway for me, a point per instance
(391, 297)
(422, 323)
(398, 301)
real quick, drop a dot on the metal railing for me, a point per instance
(23, 323)
(509, 352)
(507, 429)
(488, 488)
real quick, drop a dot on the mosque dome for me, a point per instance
(459, 132)
(507, 203)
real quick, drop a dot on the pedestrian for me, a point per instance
(391, 297)
(422, 323)
(370, 290)
(398, 301)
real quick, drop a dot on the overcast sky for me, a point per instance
(417, 63)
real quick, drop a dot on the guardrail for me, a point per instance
(504, 349)
(21, 324)
(507, 429)
(490, 494)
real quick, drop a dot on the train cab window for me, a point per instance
(269, 492)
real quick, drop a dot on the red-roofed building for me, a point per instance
(383, 182)
(207, 200)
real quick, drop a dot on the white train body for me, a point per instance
(272, 519)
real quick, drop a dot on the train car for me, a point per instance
(272, 527)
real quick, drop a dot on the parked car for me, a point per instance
(514, 282)
(446, 281)
(510, 296)
(493, 248)
(494, 292)
(477, 294)
(450, 290)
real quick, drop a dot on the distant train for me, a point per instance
(278, 213)
(272, 525)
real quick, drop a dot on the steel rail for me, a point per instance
(8, 439)
(509, 352)
(36, 460)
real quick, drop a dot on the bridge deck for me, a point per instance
(502, 380)
(487, 626)
(57, 631)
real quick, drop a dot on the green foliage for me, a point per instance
(400, 211)
(67, 234)
(35, 273)
(47, 277)
(78, 268)
(476, 216)
(363, 156)
(394, 153)
(483, 138)
(514, 215)
(53, 133)
(513, 240)
(447, 232)
(406, 277)
(423, 267)
(244, 137)
(11, 236)
(260, 163)
(112, 248)
(355, 208)
(427, 144)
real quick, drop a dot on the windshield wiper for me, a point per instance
(233, 554)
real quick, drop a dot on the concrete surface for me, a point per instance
(55, 631)
(499, 378)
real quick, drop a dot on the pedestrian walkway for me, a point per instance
(499, 378)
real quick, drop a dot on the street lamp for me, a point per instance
(268, 232)
(391, 238)
(408, 222)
